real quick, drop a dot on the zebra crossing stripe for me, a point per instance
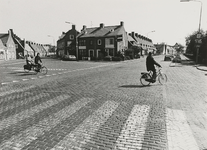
(134, 129)
(30, 134)
(179, 133)
(88, 127)
(16, 90)
(29, 112)
(20, 102)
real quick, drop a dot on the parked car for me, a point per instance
(168, 57)
(108, 58)
(177, 59)
(69, 57)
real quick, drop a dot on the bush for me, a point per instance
(126, 58)
(108, 58)
(116, 58)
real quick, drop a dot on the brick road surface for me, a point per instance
(98, 105)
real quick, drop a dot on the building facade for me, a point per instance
(8, 42)
(97, 42)
(67, 43)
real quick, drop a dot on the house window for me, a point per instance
(68, 43)
(82, 42)
(91, 42)
(111, 41)
(71, 37)
(99, 41)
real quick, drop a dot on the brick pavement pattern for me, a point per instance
(106, 108)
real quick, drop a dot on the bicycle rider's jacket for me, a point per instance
(150, 63)
(37, 59)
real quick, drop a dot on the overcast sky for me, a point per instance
(34, 20)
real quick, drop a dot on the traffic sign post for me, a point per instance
(198, 42)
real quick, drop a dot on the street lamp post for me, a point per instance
(76, 40)
(150, 32)
(53, 41)
(199, 26)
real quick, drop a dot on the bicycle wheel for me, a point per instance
(43, 70)
(162, 78)
(144, 78)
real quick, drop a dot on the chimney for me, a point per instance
(121, 23)
(101, 25)
(136, 34)
(11, 32)
(73, 27)
(130, 34)
(133, 34)
(84, 28)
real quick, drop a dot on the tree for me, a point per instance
(191, 45)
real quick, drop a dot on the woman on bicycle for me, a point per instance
(150, 62)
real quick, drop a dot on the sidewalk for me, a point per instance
(199, 67)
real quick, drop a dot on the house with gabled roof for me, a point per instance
(145, 43)
(134, 47)
(14, 44)
(8, 42)
(98, 42)
(2, 51)
(29, 49)
(67, 43)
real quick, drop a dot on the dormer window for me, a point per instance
(99, 41)
(111, 30)
(71, 37)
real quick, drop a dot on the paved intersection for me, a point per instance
(103, 106)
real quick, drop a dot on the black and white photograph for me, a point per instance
(103, 74)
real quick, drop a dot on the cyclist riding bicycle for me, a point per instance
(29, 61)
(150, 62)
(38, 62)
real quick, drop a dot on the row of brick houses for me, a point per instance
(102, 41)
(13, 47)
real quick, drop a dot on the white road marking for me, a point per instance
(88, 127)
(16, 90)
(23, 139)
(31, 111)
(179, 133)
(20, 101)
(25, 79)
(134, 128)
(66, 71)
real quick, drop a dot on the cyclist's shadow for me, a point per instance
(137, 86)
(133, 86)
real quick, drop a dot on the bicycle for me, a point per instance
(34, 67)
(146, 77)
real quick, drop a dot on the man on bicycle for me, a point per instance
(38, 61)
(150, 62)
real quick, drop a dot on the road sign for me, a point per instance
(198, 46)
(198, 35)
(198, 41)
